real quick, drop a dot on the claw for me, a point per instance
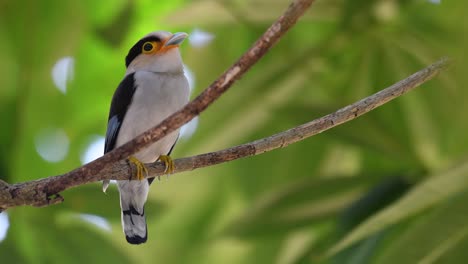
(140, 167)
(170, 167)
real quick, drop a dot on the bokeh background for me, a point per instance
(389, 187)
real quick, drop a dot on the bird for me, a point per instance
(153, 88)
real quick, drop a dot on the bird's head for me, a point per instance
(158, 52)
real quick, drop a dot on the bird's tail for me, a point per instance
(132, 201)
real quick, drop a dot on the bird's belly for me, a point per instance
(151, 105)
(151, 153)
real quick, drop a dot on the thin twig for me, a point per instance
(119, 170)
(40, 192)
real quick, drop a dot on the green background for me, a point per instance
(389, 187)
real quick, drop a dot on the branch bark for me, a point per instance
(33, 192)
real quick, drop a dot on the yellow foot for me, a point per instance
(170, 167)
(140, 167)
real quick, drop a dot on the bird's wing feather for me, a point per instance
(120, 102)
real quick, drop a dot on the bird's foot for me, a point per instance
(140, 168)
(170, 167)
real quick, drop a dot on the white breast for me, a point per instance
(157, 96)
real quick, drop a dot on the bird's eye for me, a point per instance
(148, 47)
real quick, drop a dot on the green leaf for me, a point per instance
(297, 204)
(425, 195)
(362, 252)
(378, 197)
(435, 235)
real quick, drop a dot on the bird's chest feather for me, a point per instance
(156, 97)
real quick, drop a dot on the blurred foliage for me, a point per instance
(390, 187)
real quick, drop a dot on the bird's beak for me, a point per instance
(176, 39)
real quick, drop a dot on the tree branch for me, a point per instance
(120, 170)
(31, 193)
(40, 192)
(208, 96)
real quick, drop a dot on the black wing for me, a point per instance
(120, 102)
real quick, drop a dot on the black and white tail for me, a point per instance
(133, 195)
